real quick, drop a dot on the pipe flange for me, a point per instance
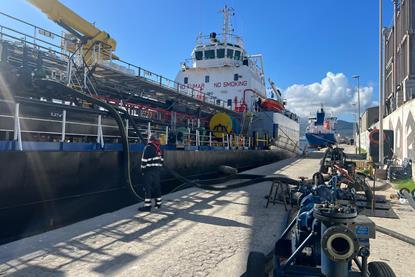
(334, 213)
(339, 244)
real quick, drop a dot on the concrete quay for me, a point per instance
(196, 233)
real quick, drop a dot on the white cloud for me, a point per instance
(334, 91)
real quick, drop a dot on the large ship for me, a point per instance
(221, 67)
(321, 129)
(74, 119)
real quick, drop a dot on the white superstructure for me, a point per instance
(221, 67)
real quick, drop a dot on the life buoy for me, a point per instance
(371, 136)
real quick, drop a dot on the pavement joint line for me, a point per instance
(227, 224)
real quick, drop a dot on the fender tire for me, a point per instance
(256, 265)
(380, 269)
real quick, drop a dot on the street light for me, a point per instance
(358, 105)
(354, 126)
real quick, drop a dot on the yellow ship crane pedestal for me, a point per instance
(96, 44)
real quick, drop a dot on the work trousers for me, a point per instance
(152, 187)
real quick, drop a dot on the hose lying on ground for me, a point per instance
(217, 184)
(395, 235)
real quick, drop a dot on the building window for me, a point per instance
(207, 79)
(186, 80)
(220, 53)
(235, 77)
(199, 55)
(209, 54)
(229, 53)
(237, 55)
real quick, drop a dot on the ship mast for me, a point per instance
(227, 31)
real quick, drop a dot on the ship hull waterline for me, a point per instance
(320, 140)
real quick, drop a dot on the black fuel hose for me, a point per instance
(118, 120)
(217, 184)
(212, 184)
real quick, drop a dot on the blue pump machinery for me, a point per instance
(326, 237)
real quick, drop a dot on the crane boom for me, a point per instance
(274, 88)
(75, 24)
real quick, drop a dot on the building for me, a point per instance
(399, 80)
(369, 117)
(399, 44)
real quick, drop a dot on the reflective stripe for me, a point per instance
(152, 159)
(150, 165)
(147, 202)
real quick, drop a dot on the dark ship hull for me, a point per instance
(41, 190)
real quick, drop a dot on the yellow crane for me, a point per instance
(95, 42)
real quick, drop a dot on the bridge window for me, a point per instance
(220, 53)
(207, 79)
(235, 77)
(186, 80)
(229, 53)
(199, 55)
(209, 54)
(237, 55)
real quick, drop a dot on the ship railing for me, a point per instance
(32, 34)
(190, 138)
(220, 38)
(226, 141)
(287, 143)
(57, 45)
(164, 82)
(57, 130)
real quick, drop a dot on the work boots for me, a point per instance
(147, 206)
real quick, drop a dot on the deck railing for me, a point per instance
(54, 44)
(57, 130)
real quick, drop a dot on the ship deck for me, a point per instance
(196, 233)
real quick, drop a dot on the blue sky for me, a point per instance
(302, 41)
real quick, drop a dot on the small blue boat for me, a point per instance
(321, 130)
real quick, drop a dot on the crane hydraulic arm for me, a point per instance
(81, 28)
(274, 88)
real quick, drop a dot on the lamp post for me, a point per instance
(381, 154)
(354, 126)
(358, 106)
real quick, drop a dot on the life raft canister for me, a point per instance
(374, 136)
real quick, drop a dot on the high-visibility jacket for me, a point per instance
(152, 157)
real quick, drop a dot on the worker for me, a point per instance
(151, 164)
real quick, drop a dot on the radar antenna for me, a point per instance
(227, 27)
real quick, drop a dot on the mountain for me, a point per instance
(345, 128)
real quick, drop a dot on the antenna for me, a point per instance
(227, 12)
